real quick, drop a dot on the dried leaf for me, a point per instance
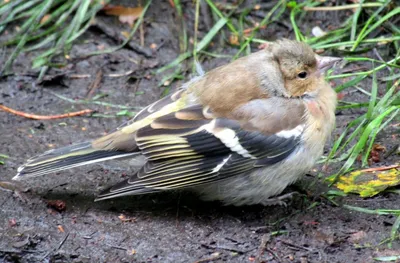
(368, 183)
(126, 15)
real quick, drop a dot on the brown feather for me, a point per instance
(234, 84)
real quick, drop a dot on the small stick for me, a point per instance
(264, 240)
(263, 247)
(95, 84)
(118, 75)
(45, 117)
(141, 29)
(384, 168)
(338, 8)
(215, 257)
(63, 241)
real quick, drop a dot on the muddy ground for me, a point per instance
(170, 227)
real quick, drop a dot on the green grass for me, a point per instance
(51, 26)
(2, 158)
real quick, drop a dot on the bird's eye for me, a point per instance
(302, 75)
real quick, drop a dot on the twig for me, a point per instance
(227, 248)
(263, 247)
(117, 75)
(338, 8)
(95, 84)
(141, 29)
(383, 168)
(45, 117)
(264, 240)
(57, 248)
(216, 256)
(63, 241)
(297, 246)
(117, 247)
(79, 76)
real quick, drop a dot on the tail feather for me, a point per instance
(65, 158)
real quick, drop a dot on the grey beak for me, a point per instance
(325, 63)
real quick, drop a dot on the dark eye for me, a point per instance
(302, 75)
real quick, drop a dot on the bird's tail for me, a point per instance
(67, 157)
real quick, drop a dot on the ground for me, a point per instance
(169, 227)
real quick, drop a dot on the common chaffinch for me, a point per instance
(240, 133)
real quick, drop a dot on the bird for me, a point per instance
(238, 134)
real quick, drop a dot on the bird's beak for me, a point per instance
(325, 63)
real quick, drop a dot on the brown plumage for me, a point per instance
(240, 133)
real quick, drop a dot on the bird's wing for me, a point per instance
(190, 146)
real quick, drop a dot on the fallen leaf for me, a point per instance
(126, 15)
(369, 182)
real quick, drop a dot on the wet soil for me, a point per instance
(166, 227)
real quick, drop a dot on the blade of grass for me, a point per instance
(373, 212)
(201, 45)
(263, 23)
(11, 15)
(350, 83)
(374, 93)
(31, 22)
(359, 146)
(366, 27)
(228, 22)
(355, 20)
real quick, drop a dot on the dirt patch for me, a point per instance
(168, 227)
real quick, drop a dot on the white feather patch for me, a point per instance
(229, 138)
(296, 131)
(219, 166)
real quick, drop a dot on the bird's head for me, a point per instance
(302, 70)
